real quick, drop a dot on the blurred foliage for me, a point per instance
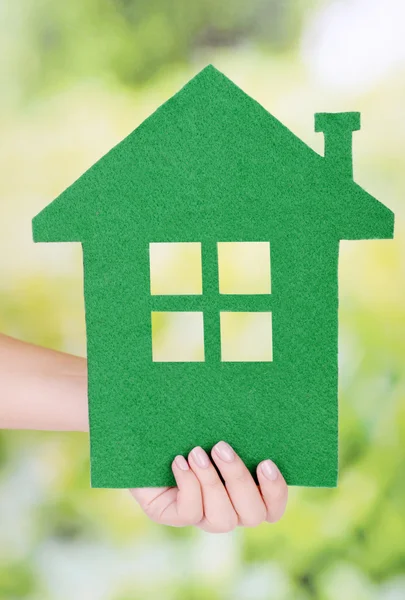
(81, 69)
(134, 40)
(17, 580)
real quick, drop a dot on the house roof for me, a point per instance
(209, 151)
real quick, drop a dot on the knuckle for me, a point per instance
(273, 517)
(213, 483)
(192, 518)
(241, 476)
(255, 520)
(225, 525)
(252, 523)
(154, 514)
(151, 510)
(275, 514)
(230, 524)
(225, 529)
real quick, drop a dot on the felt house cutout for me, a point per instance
(210, 166)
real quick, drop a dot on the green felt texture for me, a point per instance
(212, 165)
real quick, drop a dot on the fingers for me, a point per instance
(201, 499)
(188, 508)
(219, 514)
(240, 485)
(274, 490)
(175, 506)
(252, 505)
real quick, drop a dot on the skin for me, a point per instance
(43, 389)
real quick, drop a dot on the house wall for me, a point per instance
(153, 409)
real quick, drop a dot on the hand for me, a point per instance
(201, 499)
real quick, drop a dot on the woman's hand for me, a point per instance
(202, 500)
(45, 389)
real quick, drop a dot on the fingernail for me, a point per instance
(181, 463)
(200, 457)
(224, 451)
(269, 470)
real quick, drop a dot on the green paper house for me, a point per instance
(212, 166)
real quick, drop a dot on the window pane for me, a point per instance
(175, 268)
(177, 337)
(244, 267)
(246, 337)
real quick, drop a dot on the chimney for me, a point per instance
(337, 129)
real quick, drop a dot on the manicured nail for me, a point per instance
(224, 451)
(181, 463)
(269, 470)
(200, 457)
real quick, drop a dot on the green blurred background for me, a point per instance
(75, 78)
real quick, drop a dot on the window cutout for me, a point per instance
(244, 267)
(175, 268)
(246, 337)
(177, 337)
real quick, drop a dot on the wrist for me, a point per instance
(41, 389)
(69, 411)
